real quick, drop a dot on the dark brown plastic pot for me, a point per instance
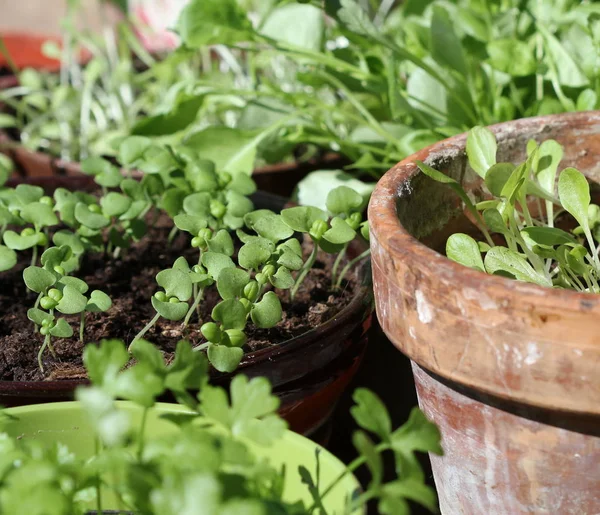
(309, 373)
(508, 370)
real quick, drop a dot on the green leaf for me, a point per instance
(145, 352)
(73, 282)
(549, 236)
(28, 194)
(203, 23)
(301, 218)
(340, 232)
(501, 259)
(290, 260)
(115, 204)
(231, 282)
(464, 250)
(38, 279)
(267, 313)
(170, 310)
(314, 189)
(8, 258)
(568, 72)
(282, 279)
(222, 243)
(131, 150)
(587, 100)
(224, 359)
(231, 313)
(7, 120)
(549, 156)
(62, 329)
(190, 223)
(417, 434)
(497, 176)
(98, 302)
(343, 200)
(140, 384)
(175, 283)
(37, 316)
(481, 150)
(238, 205)
(370, 413)
(176, 119)
(88, 218)
(215, 262)
(308, 22)
(16, 241)
(494, 221)
(512, 56)
(197, 204)
(413, 489)
(446, 47)
(232, 150)
(39, 214)
(574, 194)
(72, 301)
(254, 254)
(188, 370)
(366, 448)
(268, 225)
(56, 256)
(104, 362)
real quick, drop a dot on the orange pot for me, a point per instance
(508, 370)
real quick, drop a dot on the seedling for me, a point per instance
(532, 248)
(211, 468)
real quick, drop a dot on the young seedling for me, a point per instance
(534, 249)
(31, 206)
(171, 302)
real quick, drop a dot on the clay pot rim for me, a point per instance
(395, 239)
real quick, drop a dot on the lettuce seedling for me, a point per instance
(529, 249)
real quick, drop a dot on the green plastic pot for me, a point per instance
(68, 424)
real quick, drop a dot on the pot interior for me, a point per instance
(431, 211)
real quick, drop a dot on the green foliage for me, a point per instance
(204, 463)
(530, 249)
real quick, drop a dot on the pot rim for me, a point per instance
(394, 238)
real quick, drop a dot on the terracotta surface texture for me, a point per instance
(492, 345)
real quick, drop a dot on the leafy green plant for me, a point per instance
(377, 83)
(250, 274)
(206, 462)
(525, 218)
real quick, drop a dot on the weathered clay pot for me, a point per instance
(308, 373)
(508, 370)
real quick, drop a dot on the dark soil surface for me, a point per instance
(130, 282)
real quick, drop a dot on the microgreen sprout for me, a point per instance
(523, 205)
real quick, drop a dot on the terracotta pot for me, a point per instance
(26, 50)
(309, 373)
(508, 370)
